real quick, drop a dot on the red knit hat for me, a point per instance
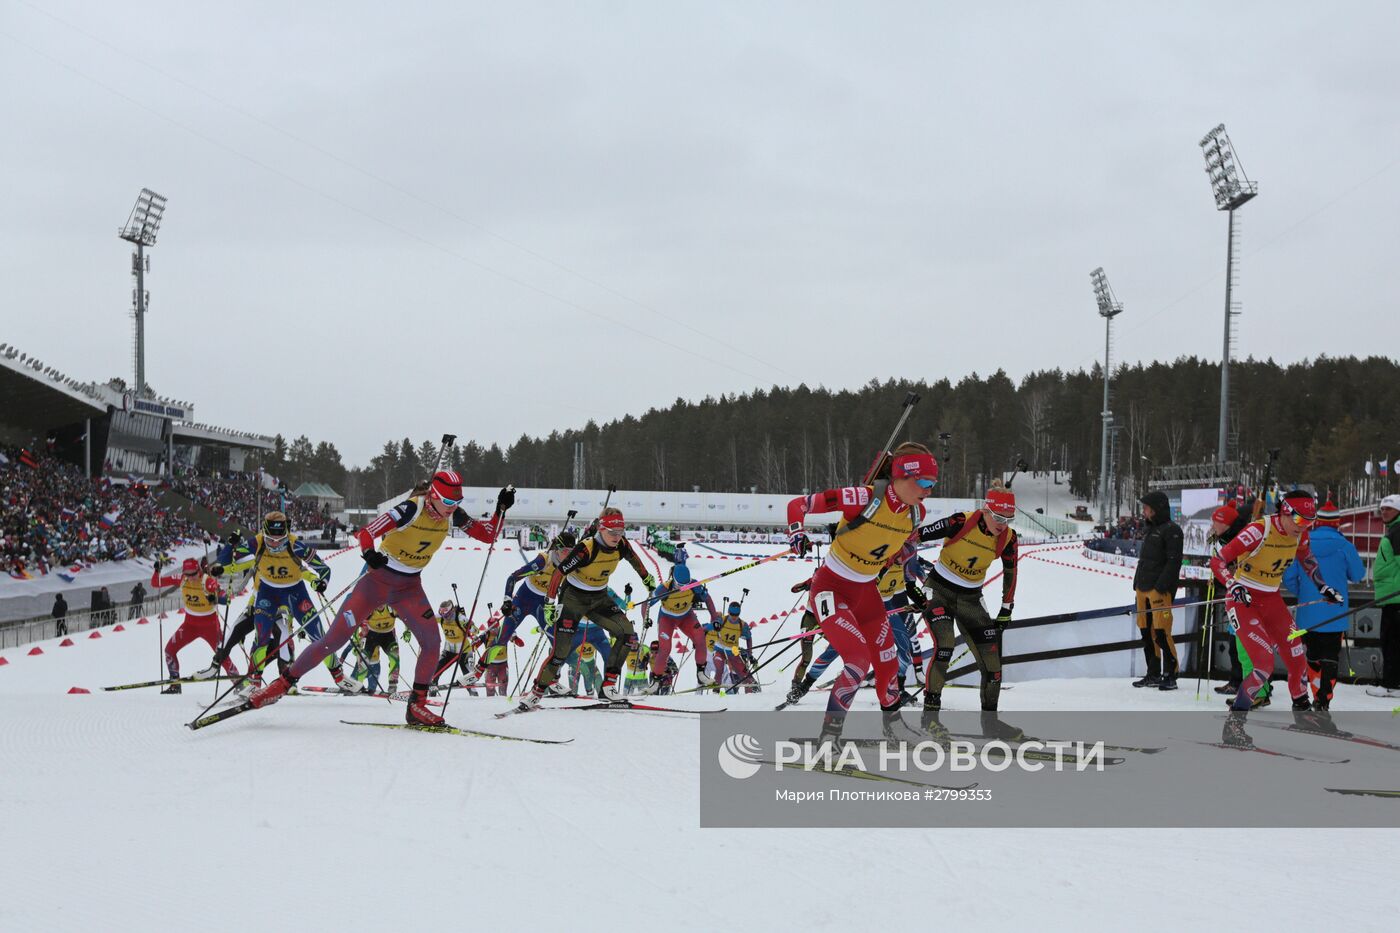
(1329, 514)
(1225, 515)
(190, 565)
(447, 485)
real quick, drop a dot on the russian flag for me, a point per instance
(110, 518)
(1385, 467)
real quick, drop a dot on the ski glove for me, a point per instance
(1329, 594)
(551, 612)
(1003, 617)
(505, 499)
(799, 542)
(234, 539)
(649, 582)
(375, 559)
(1239, 593)
(507, 607)
(319, 586)
(216, 570)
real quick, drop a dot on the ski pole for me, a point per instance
(694, 583)
(360, 658)
(910, 400)
(1299, 633)
(236, 682)
(481, 581)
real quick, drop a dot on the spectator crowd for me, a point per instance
(53, 518)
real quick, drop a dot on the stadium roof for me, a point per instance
(208, 434)
(38, 398)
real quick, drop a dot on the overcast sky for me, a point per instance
(496, 219)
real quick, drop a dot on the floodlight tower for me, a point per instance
(141, 228)
(1232, 189)
(1109, 308)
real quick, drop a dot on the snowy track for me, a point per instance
(115, 816)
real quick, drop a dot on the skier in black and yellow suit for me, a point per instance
(952, 592)
(579, 589)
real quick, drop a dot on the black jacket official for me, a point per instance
(1159, 560)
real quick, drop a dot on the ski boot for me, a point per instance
(171, 688)
(830, 736)
(611, 692)
(266, 696)
(934, 728)
(703, 677)
(1149, 680)
(209, 673)
(1168, 682)
(1229, 687)
(800, 688)
(558, 689)
(1233, 734)
(347, 685)
(993, 727)
(1301, 704)
(530, 699)
(894, 728)
(418, 713)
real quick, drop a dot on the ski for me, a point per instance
(1344, 736)
(221, 715)
(861, 774)
(1143, 750)
(158, 683)
(455, 730)
(1272, 752)
(644, 707)
(1381, 692)
(1030, 755)
(1362, 792)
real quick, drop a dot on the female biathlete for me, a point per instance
(412, 531)
(1261, 554)
(876, 521)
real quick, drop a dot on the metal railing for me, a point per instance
(23, 631)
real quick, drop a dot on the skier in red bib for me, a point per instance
(199, 597)
(876, 521)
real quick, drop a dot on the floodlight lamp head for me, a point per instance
(144, 223)
(1108, 304)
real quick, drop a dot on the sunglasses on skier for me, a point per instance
(925, 483)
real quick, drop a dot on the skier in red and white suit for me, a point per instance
(876, 521)
(1261, 553)
(199, 596)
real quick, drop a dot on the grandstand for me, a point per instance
(96, 481)
(108, 428)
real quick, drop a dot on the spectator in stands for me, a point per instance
(60, 615)
(1340, 564)
(1386, 575)
(138, 600)
(1156, 581)
(52, 517)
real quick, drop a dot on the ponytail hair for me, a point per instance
(908, 447)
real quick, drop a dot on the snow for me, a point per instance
(114, 815)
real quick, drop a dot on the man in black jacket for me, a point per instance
(1158, 575)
